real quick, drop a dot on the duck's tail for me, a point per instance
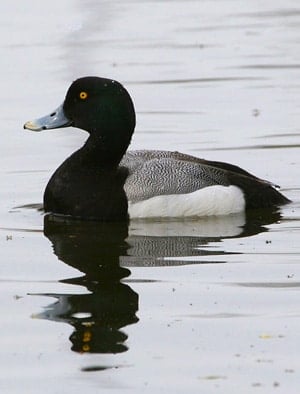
(257, 192)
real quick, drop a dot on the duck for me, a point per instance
(103, 181)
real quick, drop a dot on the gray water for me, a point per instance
(194, 306)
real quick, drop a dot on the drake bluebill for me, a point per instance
(101, 181)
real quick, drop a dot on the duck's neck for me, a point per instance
(103, 151)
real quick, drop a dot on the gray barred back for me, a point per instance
(153, 173)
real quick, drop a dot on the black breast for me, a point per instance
(87, 192)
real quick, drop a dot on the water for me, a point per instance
(205, 305)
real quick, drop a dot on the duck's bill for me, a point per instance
(55, 120)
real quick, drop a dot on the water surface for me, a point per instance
(208, 305)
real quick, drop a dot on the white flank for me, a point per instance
(210, 201)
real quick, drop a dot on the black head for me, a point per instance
(100, 105)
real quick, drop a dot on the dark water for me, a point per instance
(208, 305)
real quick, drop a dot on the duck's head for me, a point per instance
(100, 106)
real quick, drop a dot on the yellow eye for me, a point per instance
(83, 95)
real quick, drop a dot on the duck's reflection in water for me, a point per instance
(180, 242)
(103, 251)
(99, 315)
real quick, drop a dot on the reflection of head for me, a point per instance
(97, 317)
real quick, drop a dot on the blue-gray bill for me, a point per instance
(55, 120)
